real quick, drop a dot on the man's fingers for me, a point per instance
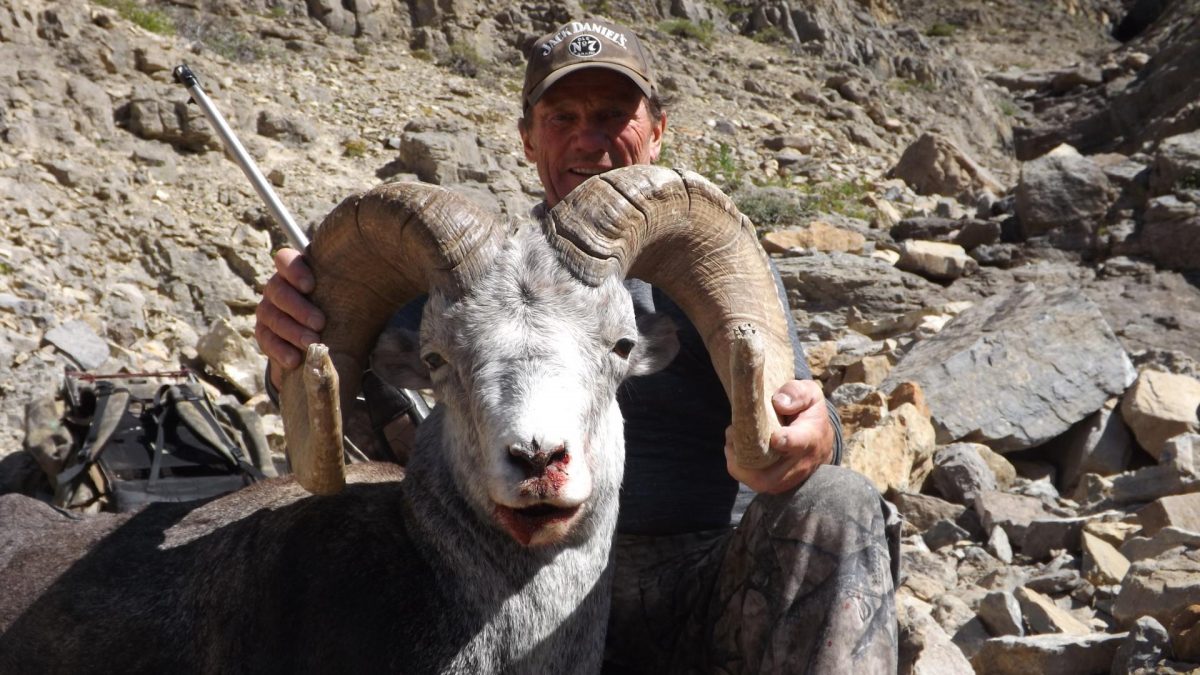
(274, 328)
(291, 266)
(278, 350)
(280, 295)
(795, 396)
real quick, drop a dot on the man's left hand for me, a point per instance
(804, 442)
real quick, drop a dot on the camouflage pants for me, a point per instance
(803, 585)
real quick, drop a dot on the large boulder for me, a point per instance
(1062, 190)
(1160, 406)
(1017, 369)
(934, 165)
(1170, 234)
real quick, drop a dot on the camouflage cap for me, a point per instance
(585, 44)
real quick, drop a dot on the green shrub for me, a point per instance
(940, 29)
(354, 147)
(720, 166)
(771, 207)
(700, 32)
(464, 60)
(771, 35)
(839, 197)
(153, 20)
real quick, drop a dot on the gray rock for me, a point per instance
(1176, 164)
(1055, 582)
(1061, 190)
(1160, 588)
(1047, 534)
(999, 546)
(287, 127)
(944, 533)
(77, 340)
(1146, 644)
(1001, 613)
(960, 474)
(832, 282)
(1170, 233)
(1101, 444)
(1058, 654)
(1017, 369)
(1166, 539)
(924, 510)
(925, 648)
(441, 158)
(1012, 512)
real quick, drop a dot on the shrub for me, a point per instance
(153, 20)
(701, 32)
(940, 29)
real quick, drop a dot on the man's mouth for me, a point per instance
(587, 173)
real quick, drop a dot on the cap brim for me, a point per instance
(550, 80)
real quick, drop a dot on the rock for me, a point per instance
(1101, 444)
(1002, 469)
(1167, 539)
(1103, 565)
(1055, 582)
(1159, 587)
(233, 357)
(1160, 406)
(831, 282)
(77, 340)
(1146, 644)
(1178, 511)
(1176, 163)
(1059, 654)
(1043, 616)
(1001, 613)
(286, 127)
(1185, 634)
(1048, 534)
(1017, 369)
(869, 370)
(935, 165)
(886, 454)
(818, 235)
(923, 511)
(1012, 512)
(161, 117)
(936, 260)
(1178, 473)
(926, 649)
(1170, 233)
(1061, 189)
(999, 546)
(960, 474)
(944, 533)
(441, 158)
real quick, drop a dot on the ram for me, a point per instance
(490, 555)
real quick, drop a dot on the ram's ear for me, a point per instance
(397, 359)
(657, 346)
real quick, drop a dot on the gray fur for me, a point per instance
(390, 575)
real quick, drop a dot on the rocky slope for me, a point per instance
(986, 215)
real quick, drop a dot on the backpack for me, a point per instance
(152, 437)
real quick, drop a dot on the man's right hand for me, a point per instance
(286, 321)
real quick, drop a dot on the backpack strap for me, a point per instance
(195, 411)
(111, 404)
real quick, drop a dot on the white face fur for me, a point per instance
(526, 367)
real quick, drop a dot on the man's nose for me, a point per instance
(592, 138)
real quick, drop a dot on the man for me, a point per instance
(804, 583)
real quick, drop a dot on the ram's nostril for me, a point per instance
(530, 458)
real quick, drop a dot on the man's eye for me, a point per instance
(433, 360)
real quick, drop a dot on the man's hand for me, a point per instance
(286, 322)
(804, 442)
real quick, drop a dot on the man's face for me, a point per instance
(588, 123)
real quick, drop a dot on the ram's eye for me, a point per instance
(433, 360)
(623, 347)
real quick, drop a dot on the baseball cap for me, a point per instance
(585, 44)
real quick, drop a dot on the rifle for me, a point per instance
(411, 402)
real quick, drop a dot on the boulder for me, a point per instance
(1178, 511)
(1103, 564)
(1012, 512)
(1160, 406)
(925, 648)
(1043, 616)
(77, 340)
(1146, 644)
(886, 453)
(1176, 164)
(960, 473)
(1061, 190)
(233, 357)
(1059, 654)
(1017, 369)
(1101, 443)
(1159, 587)
(1170, 233)
(936, 260)
(817, 236)
(832, 282)
(934, 165)
(1167, 539)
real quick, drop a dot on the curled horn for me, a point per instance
(371, 255)
(678, 232)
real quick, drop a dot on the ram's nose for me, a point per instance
(535, 457)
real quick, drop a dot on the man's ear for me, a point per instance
(657, 132)
(526, 137)
(397, 359)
